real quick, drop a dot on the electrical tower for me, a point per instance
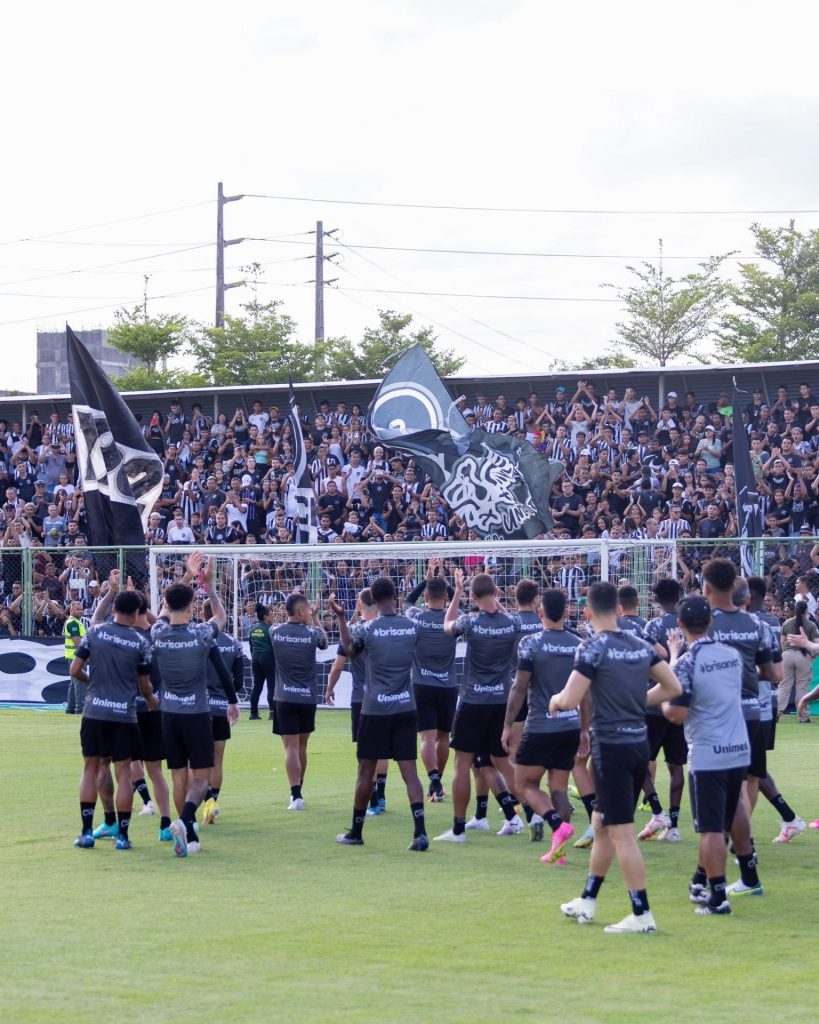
(221, 245)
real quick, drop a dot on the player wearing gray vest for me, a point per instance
(710, 709)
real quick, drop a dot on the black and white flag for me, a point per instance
(121, 475)
(749, 507)
(500, 485)
(305, 525)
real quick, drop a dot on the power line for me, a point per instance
(102, 266)
(94, 309)
(526, 210)
(477, 295)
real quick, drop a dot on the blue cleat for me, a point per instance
(180, 838)
(165, 835)
(85, 841)
(106, 831)
(123, 843)
(419, 844)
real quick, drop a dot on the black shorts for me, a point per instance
(478, 728)
(221, 728)
(188, 740)
(150, 731)
(483, 759)
(770, 733)
(668, 737)
(619, 771)
(524, 711)
(355, 714)
(118, 740)
(436, 707)
(714, 797)
(549, 749)
(758, 741)
(294, 719)
(387, 737)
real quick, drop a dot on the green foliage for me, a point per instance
(151, 340)
(143, 379)
(778, 314)
(615, 361)
(668, 317)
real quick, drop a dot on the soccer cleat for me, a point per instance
(669, 835)
(348, 839)
(814, 824)
(697, 893)
(477, 825)
(165, 836)
(106, 831)
(560, 840)
(450, 837)
(790, 830)
(709, 908)
(296, 804)
(574, 791)
(511, 827)
(436, 793)
(375, 809)
(180, 838)
(147, 810)
(585, 841)
(560, 862)
(419, 844)
(633, 923)
(253, 718)
(123, 843)
(739, 888)
(645, 806)
(193, 848)
(209, 812)
(536, 829)
(581, 908)
(657, 824)
(85, 841)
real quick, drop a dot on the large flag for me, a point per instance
(749, 507)
(121, 475)
(305, 532)
(500, 485)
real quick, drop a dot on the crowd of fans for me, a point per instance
(631, 472)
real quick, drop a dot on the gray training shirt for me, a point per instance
(434, 663)
(549, 656)
(232, 654)
(388, 641)
(358, 671)
(766, 692)
(618, 664)
(656, 632)
(710, 674)
(294, 646)
(752, 641)
(118, 654)
(181, 654)
(491, 645)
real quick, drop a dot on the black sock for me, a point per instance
(785, 812)
(141, 787)
(654, 804)
(124, 820)
(359, 814)
(189, 817)
(699, 877)
(374, 796)
(747, 869)
(718, 894)
(434, 778)
(295, 792)
(554, 820)
(164, 822)
(674, 814)
(593, 883)
(588, 803)
(213, 793)
(381, 785)
(458, 826)
(528, 810)
(639, 901)
(481, 806)
(507, 804)
(87, 816)
(110, 817)
(418, 819)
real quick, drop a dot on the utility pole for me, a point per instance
(221, 245)
(319, 280)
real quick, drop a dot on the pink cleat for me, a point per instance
(560, 841)
(814, 824)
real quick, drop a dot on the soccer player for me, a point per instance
(181, 649)
(387, 726)
(613, 667)
(433, 675)
(261, 660)
(120, 666)
(526, 593)
(710, 709)
(664, 733)
(233, 658)
(295, 643)
(491, 640)
(545, 661)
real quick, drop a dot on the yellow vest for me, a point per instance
(70, 649)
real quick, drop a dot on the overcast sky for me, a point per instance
(113, 112)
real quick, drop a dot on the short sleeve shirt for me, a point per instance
(549, 657)
(116, 655)
(181, 653)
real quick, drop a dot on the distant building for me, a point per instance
(52, 363)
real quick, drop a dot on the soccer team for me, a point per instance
(537, 699)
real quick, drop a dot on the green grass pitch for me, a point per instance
(275, 922)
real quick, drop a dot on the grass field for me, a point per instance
(275, 922)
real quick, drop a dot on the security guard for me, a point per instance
(73, 632)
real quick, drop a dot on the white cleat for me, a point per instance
(512, 827)
(633, 923)
(790, 830)
(657, 824)
(477, 825)
(194, 848)
(296, 804)
(582, 909)
(450, 837)
(669, 835)
(148, 809)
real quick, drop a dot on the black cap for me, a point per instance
(694, 612)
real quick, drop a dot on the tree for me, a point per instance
(778, 315)
(143, 379)
(151, 340)
(668, 317)
(615, 361)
